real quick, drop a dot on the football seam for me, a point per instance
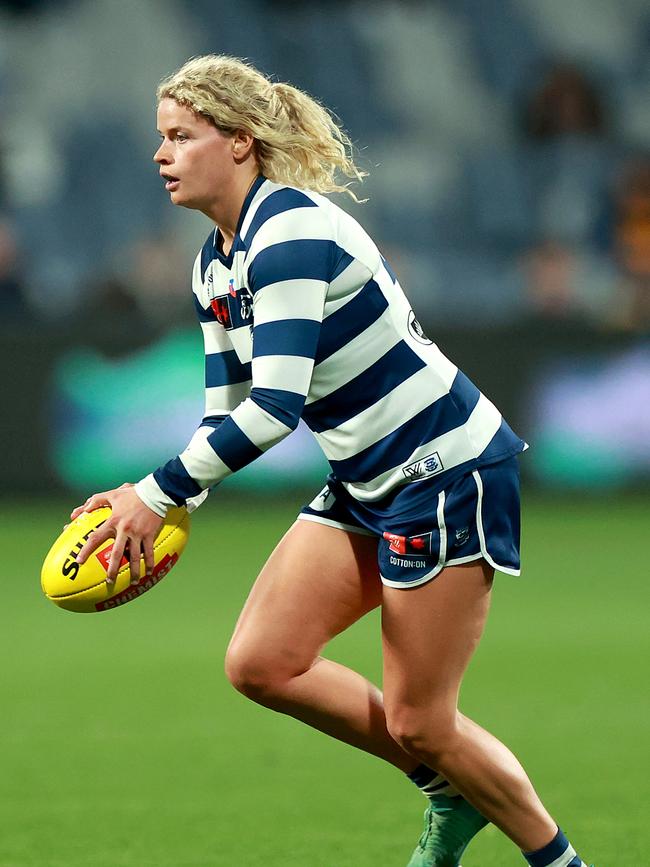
(126, 565)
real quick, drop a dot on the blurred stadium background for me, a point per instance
(508, 145)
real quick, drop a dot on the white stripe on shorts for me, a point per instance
(442, 527)
(481, 533)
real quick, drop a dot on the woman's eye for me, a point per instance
(180, 136)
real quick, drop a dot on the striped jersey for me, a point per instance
(304, 318)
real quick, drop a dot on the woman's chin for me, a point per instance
(177, 198)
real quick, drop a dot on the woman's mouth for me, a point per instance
(171, 183)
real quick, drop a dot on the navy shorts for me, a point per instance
(476, 516)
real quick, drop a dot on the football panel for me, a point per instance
(60, 574)
(103, 598)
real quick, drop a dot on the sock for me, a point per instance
(431, 783)
(558, 853)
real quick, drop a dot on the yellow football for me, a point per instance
(84, 588)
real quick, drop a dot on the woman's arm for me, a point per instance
(288, 281)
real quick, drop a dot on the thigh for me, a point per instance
(317, 582)
(430, 633)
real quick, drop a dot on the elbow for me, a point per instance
(284, 406)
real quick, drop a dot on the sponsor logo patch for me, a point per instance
(221, 310)
(234, 309)
(410, 545)
(399, 561)
(422, 469)
(397, 543)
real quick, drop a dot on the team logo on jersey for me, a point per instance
(234, 309)
(245, 305)
(415, 329)
(410, 545)
(422, 469)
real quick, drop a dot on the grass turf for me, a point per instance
(123, 745)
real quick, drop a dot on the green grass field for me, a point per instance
(124, 746)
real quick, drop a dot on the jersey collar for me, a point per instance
(217, 239)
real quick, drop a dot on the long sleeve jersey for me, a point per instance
(304, 318)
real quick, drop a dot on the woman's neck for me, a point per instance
(226, 212)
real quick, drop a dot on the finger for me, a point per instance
(116, 557)
(94, 541)
(80, 509)
(147, 545)
(96, 501)
(134, 560)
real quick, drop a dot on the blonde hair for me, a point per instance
(297, 141)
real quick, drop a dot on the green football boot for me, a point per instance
(449, 825)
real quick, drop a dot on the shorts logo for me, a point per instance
(462, 535)
(398, 561)
(410, 545)
(422, 469)
(397, 543)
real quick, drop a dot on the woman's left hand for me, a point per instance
(133, 526)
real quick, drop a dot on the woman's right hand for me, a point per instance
(133, 526)
(95, 501)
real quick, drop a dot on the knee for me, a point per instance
(248, 673)
(254, 675)
(428, 731)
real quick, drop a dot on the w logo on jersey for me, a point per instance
(427, 466)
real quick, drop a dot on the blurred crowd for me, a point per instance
(508, 145)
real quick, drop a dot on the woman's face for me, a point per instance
(195, 158)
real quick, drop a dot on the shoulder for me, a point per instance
(281, 212)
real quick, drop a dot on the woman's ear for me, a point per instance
(242, 144)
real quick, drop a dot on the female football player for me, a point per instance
(303, 318)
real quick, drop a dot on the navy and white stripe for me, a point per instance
(304, 319)
(431, 783)
(558, 853)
